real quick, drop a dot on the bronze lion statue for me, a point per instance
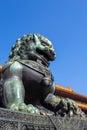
(27, 81)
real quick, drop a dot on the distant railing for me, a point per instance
(69, 93)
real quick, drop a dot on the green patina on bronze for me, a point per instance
(27, 81)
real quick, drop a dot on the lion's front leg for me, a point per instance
(13, 93)
(50, 101)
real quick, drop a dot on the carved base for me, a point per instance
(14, 120)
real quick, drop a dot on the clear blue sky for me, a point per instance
(64, 22)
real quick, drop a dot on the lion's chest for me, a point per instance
(32, 84)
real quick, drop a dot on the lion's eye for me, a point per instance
(43, 44)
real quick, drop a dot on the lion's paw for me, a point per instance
(32, 109)
(25, 108)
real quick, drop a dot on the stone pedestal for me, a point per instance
(14, 120)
